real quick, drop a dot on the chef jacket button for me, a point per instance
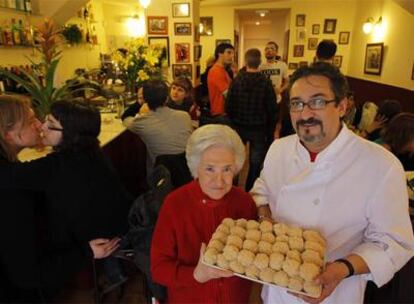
(316, 202)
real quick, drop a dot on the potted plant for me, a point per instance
(72, 34)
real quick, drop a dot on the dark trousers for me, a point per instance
(258, 145)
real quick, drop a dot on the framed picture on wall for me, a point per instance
(300, 20)
(343, 37)
(298, 50)
(164, 43)
(206, 26)
(373, 58)
(157, 25)
(312, 43)
(180, 10)
(303, 64)
(182, 52)
(196, 33)
(337, 61)
(182, 28)
(329, 26)
(220, 41)
(301, 35)
(182, 70)
(293, 66)
(316, 29)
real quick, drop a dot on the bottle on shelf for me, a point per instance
(28, 6)
(22, 33)
(16, 33)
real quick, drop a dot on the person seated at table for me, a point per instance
(134, 108)
(190, 215)
(19, 128)
(86, 205)
(398, 137)
(163, 130)
(181, 95)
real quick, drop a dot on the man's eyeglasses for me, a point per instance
(313, 104)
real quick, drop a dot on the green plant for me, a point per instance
(72, 34)
(39, 81)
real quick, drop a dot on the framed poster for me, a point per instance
(164, 43)
(329, 26)
(373, 58)
(343, 37)
(157, 25)
(206, 26)
(298, 50)
(312, 43)
(300, 20)
(182, 70)
(316, 29)
(181, 10)
(182, 53)
(182, 28)
(337, 61)
(293, 65)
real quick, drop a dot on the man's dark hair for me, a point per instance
(274, 43)
(81, 124)
(389, 108)
(155, 93)
(252, 58)
(221, 48)
(338, 82)
(326, 50)
(399, 132)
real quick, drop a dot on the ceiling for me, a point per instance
(233, 2)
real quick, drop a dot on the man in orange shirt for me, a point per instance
(218, 79)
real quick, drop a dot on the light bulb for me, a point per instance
(367, 27)
(145, 3)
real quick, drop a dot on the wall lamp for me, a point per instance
(370, 25)
(145, 3)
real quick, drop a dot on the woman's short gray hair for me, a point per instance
(213, 135)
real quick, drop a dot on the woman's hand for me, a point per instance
(378, 123)
(203, 273)
(103, 248)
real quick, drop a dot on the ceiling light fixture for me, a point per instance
(370, 25)
(145, 3)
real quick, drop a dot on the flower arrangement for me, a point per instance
(139, 62)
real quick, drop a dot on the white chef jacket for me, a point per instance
(354, 194)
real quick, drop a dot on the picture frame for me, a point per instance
(312, 43)
(337, 61)
(182, 52)
(303, 64)
(293, 66)
(206, 26)
(164, 42)
(329, 26)
(301, 35)
(180, 10)
(300, 19)
(182, 28)
(182, 70)
(196, 33)
(344, 37)
(220, 41)
(298, 50)
(316, 29)
(373, 58)
(157, 25)
(197, 52)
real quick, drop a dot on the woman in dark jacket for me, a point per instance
(84, 198)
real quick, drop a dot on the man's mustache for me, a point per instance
(310, 121)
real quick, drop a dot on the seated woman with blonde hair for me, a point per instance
(190, 215)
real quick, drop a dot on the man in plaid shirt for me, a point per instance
(251, 107)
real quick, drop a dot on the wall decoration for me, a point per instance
(157, 25)
(301, 35)
(182, 28)
(337, 61)
(300, 20)
(206, 26)
(298, 50)
(180, 10)
(293, 66)
(373, 58)
(312, 43)
(220, 41)
(196, 33)
(329, 26)
(197, 52)
(343, 37)
(316, 29)
(182, 52)
(182, 70)
(303, 64)
(165, 44)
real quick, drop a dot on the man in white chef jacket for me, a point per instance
(327, 178)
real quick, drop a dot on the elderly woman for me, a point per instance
(190, 215)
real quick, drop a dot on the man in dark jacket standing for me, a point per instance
(251, 107)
